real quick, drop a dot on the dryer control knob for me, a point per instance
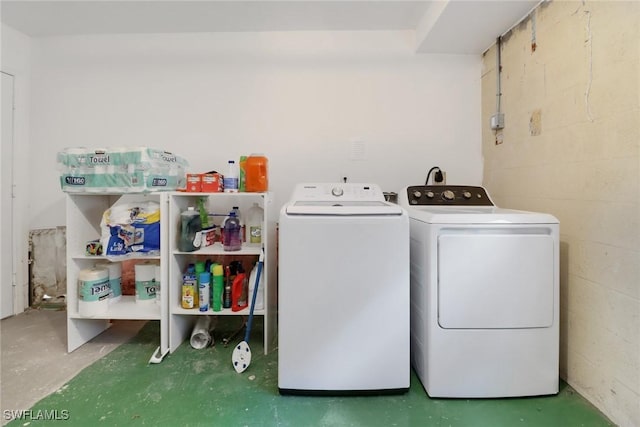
(467, 194)
(448, 195)
(417, 194)
(337, 191)
(430, 194)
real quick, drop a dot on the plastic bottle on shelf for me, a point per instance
(259, 304)
(239, 292)
(199, 269)
(254, 223)
(226, 294)
(242, 224)
(204, 279)
(232, 233)
(243, 174)
(231, 178)
(189, 229)
(257, 174)
(218, 287)
(236, 210)
(189, 288)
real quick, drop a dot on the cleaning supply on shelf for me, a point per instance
(212, 182)
(226, 295)
(200, 268)
(239, 291)
(202, 210)
(241, 356)
(254, 223)
(145, 283)
(218, 287)
(259, 304)
(189, 288)
(204, 279)
(257, 174)
(243, 174)
(232, 233)
(236, 210)
(231, 178)
(115, 279)
(93, 292)
(190, 227)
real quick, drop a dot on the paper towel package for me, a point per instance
(130, 229)
(120, 169)
(145, 283)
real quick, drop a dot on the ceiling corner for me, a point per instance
(467, 26)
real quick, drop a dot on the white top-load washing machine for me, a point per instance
(484, 295)
(343, 292)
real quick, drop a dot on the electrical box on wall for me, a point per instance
(497, 121)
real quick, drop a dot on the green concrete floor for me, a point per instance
(200, 388)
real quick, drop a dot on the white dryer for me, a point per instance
(484, 295)
(343, 292)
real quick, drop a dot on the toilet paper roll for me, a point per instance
(93, 292)
(145, 283)
(115, 279)
(156, 276)
(200, 336)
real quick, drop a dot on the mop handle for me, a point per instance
(255, 294)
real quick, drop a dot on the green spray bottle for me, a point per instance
(218, 286)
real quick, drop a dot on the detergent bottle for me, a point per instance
(256, 171)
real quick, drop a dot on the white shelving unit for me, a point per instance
(181, 320)
(83, 216)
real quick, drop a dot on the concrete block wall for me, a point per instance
(570, 86)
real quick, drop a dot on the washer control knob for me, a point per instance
(337, 191)
(430, 194)
(417, 194)
(448, 195)
(467, 194)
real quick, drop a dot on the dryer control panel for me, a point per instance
(447, 195)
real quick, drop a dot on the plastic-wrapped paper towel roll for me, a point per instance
(93, 292)
(99, 160)
(115, 171)
(115, 279)
(76, 159)
(156, 276)
(201, 336)
(145, 283)
(75, 165)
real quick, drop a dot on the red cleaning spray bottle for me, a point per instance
(239, 292)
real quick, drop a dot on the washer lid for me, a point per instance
(343, 208)
(477, 215)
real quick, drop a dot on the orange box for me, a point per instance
(194, 183)
(212, 182)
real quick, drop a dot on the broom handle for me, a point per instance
(253, 299)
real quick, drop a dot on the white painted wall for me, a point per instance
(298, 97)
(15, 60)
